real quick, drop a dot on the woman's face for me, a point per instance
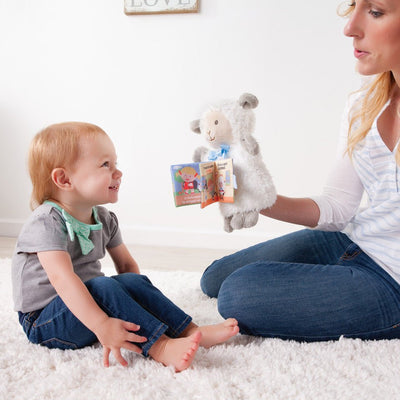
(375, 29)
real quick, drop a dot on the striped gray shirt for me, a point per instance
(373, 171)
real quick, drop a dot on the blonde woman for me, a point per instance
(343, 277)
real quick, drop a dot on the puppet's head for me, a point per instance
(227, 122)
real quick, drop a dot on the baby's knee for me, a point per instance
(131, 279)
(100, 283)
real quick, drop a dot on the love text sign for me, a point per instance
(160, 6)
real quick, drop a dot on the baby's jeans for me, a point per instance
(306, 286)
(130, 297)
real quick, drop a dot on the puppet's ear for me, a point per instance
(195, 126)
(248, 101)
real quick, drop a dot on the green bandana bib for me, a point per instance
(79, 229)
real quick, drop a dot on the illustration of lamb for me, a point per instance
(227, 128)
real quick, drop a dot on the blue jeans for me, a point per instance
(306, 286)
(130, 297)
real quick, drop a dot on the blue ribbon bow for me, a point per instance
(223, 152)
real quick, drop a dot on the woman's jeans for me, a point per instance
(306, 286)
(130, 297)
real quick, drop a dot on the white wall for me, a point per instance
(144, 78)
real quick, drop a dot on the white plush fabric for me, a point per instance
(245, 368)
(255, 188)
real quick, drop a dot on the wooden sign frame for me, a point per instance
(140, 7)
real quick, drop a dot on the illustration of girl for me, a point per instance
(188, 175)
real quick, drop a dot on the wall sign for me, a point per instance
(160, 6)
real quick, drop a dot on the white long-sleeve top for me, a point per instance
(373, 170)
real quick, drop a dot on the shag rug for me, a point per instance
(244, 368)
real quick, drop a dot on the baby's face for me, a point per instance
(95, 178)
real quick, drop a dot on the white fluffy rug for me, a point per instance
(244, 368)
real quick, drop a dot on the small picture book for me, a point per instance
(203, 183)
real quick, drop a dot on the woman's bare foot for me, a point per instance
(214, 334)
(176, 352)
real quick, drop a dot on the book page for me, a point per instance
(225, 180)
(186, 184)
(209, 192)
(203, 183)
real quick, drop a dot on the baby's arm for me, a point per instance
(112, 333)
(123, 260)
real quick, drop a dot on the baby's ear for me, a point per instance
(248, 100)
(60, 178)
(195, 126)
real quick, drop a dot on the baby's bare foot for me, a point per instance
(176, 352)
(218, 333)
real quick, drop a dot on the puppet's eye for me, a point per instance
(216, 122)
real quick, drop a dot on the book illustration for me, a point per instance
(186, 184)
(203, 183)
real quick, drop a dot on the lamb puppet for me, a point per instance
(228, 127)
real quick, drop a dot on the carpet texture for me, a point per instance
(244, 368)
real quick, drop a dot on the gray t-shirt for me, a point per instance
(46, 230)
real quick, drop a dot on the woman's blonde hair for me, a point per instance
(376, 94)
(56, 146)
(363, 113)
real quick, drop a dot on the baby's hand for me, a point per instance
(115, 334)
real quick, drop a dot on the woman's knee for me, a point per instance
(232, 304)
(244, 295)
(209, 282)
(236, 291)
